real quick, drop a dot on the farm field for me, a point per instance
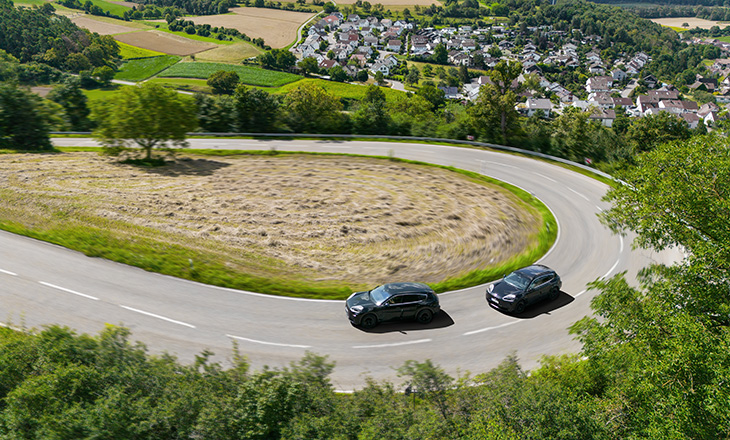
(141, 69)
(413, 210)
(677, 22)
(230, 53)
(164, 42)
(390, 3)
(278, 28)
(249, 75)
(341, 90)
(102, 27)
(126, 51)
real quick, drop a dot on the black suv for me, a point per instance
(523, 287)
(392, 301)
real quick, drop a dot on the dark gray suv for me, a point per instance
(392, 301)
(523, 287)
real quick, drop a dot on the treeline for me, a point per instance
(193, 7)
(39, 35)
(714, 13)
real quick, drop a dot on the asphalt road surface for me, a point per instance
(45, 284)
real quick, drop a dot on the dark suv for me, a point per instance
(523, 287)
(392, 301)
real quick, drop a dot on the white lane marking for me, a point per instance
(611, 270)
(157, 316)
(69, 290)
(502, 164)
(546, 177)
(473, 332)
(269, 343)
(581, 293)
(396, 344)
(576, 192)
(8, 273)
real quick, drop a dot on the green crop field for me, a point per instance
(109, 7)
(127, 51)
(341, 90)
(141, 69)
(249, 75)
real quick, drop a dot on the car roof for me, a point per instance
(534, 270)
(396, 288)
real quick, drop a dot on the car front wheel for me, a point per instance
(424, 316)
(369, 321)
(554, 293)
(519, 308)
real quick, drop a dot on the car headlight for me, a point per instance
(356, 309)
(490, 288)
(510, 297)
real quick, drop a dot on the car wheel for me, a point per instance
(554, 293)
(369, 321)
(519, 308)
(424, 316)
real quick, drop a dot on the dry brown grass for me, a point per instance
(100, 27)
(693, 22)
(229, 53)
(164, 42)
(278, 28)
(361, 220)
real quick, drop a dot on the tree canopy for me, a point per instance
(147, 116)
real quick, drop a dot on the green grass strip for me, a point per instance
(248, 75)
(141, 69)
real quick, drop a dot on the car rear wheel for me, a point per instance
(554, 293)
(519, 308)
(369, 321)
(424, 316)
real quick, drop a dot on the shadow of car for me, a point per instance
(440, 320)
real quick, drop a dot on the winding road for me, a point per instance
(41, 283)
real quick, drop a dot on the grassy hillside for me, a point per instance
(249, 75)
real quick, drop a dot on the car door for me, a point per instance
(537, 289)
(411, 303)
(392, 308)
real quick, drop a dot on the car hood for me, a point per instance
(359, 299)
(502, 289)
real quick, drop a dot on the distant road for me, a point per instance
(42, 283)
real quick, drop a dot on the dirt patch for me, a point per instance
(278, 28)
(693, 22)
(358, 220)
(164, 42)
(99, 27)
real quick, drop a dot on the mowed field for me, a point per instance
(677, 22)
(164, 42)
(278, 28)
(101, 27)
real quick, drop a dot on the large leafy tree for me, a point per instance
(372, 117)
(23, 121)
(310, 109)
(662, 349)
(257, 111)
(74, 103)
(147, 116)
(494, 115)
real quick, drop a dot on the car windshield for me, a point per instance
(378, 295)
(517, 280)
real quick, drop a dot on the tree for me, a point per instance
(216, 114)
(257, 111)
(494, 114)
(433, 95)
(646, 133)
(74, 102)
(379, 78)
(413, 76)
(337, 73)
(372, 117)
(661, 348)
(103, 74)
(148, 115)
(309, 65)
(223, 82)
(310, 109)
(23, 125)
(440, 54)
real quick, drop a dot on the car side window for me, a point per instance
(540, 281)
(413, 298)
(398, 299)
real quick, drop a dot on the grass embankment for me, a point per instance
(67, 222)
(249, 75)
